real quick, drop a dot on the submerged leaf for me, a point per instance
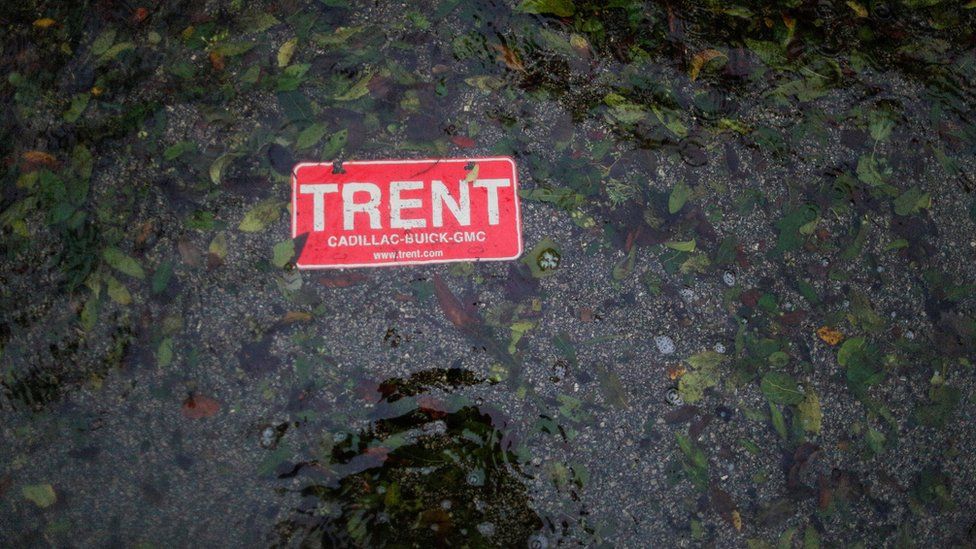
(261, 215)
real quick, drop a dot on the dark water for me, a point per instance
(760, 331)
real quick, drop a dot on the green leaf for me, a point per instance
(876, 441)
(704, 374)
(161, 277)
(779, 422)
(218, 167)
(164, 355)
(911, 201)
(41, 495)
(114, 51)
(310, 136)
(335, 144)
(117, 291)
(681, 246)
(357, 89)
(286, 51)
(178, 149)
(811, 416)
(232, 49)
(259, 22)
(283, 252)
(880, 124)
(872, 171)
(261, 215)
(218, 246)
(78, 105)
(560, 8)
(780, 388)
(679, 195)
(103, 42)
(123, 263)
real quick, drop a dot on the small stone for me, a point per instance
(719, 348)
(664, 344)
(673, 397)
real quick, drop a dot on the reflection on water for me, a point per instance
(427, 473)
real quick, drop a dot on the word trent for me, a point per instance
(406, 212)
(410, 203)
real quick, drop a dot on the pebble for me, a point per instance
(664, 344)
(728, 277)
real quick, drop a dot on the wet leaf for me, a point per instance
(679, 195)
(44, 23)
(358, 89)
(811, 416)
(859, 10)
(911, 201)
(560, 8)
(778, 421)
(179, 149)
(830, 336)
(342, 280)
(164, 355)
(261, 215)
(875, 440)
(219, 166)
(286, 51)
(199, 407)
(117, 291)
(41, 495)
(700, 59)
(704, 374)
(160, 278)
(121, 262)
(114, 51)
(311, 136)
(451, 306)
(78, 105)
(872, 171)
(335, 144)
(625, 267)
(681, 246)
(103, 42)
(781, 388)
(613, 389)
(283, 252)
(218, 246)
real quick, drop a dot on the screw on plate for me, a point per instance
(337, 167)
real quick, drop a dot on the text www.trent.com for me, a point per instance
(413, 254)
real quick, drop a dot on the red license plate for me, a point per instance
(406, 212)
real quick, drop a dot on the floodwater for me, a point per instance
(745, 315)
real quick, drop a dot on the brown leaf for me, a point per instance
(342, 280)
(830, 336)
(217, 61)
(700, 59)
(463, 141)
(509, 57)
(199, 407)
(34, 160)
(452, 307)
(295, 316)
(723, 505)
(681, 414)
(189, 253)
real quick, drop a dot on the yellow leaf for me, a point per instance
(286, 52)
(699, 60)
(830, 336)
(859, 10)
(737, 520)
(44, 23)
(295, 316)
